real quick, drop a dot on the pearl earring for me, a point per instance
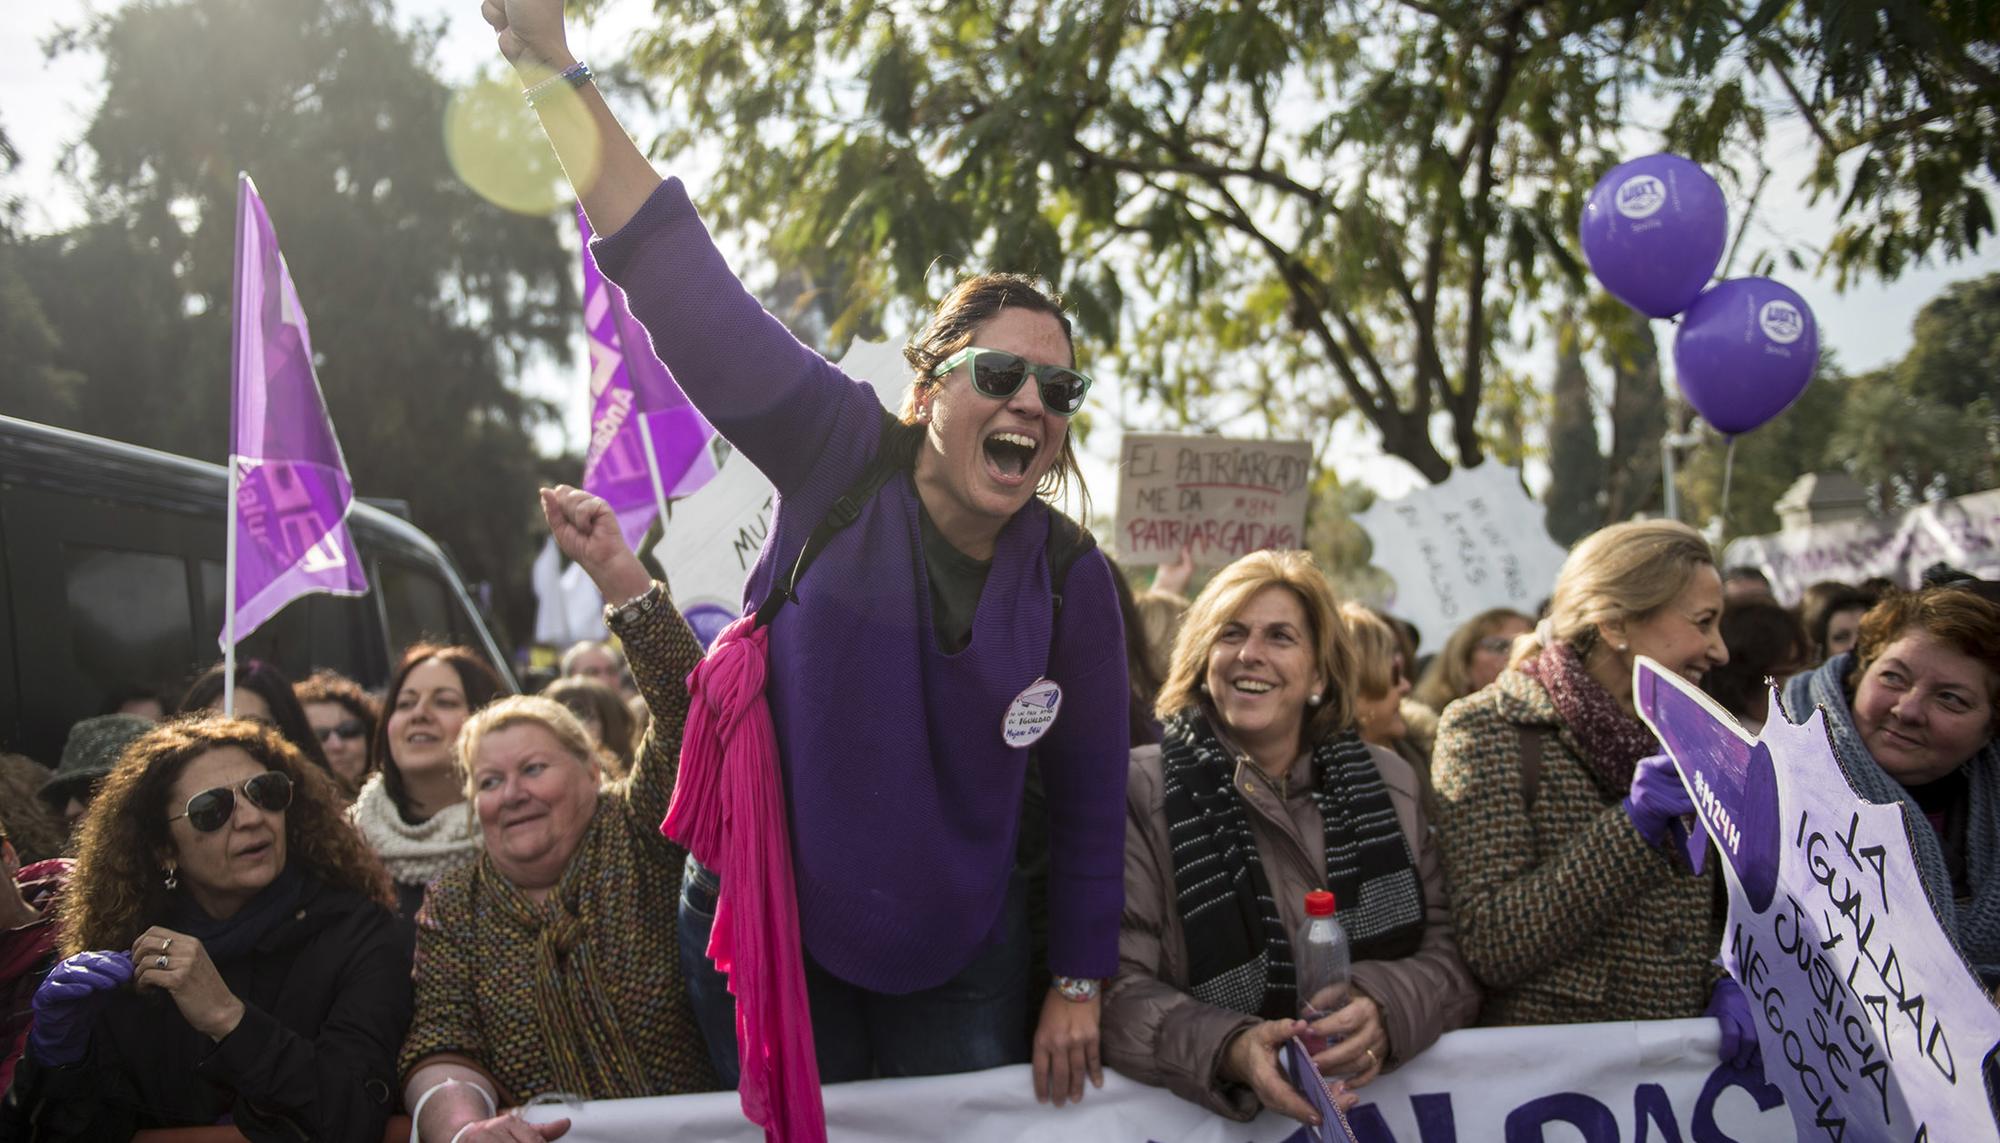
(1312, 700)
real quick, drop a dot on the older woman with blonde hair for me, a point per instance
(1262, 792)
(550, 964)
(1555, 806)
(232, 954)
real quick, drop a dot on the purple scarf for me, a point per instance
(1612, 741)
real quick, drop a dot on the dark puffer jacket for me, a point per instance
(326, 999)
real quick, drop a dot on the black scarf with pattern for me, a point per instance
(1239, 955)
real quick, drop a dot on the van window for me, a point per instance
(313, 631)
(128, 615)
(418, 606)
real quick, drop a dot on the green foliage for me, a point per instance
(1289, 209)
(1768, 459)
(422, 297)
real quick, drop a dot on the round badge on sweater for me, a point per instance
(1031, 713)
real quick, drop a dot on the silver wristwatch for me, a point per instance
(1076, 988)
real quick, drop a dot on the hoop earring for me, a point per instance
(172, 882)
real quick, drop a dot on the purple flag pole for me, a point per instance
(289, 494)
(647, 442)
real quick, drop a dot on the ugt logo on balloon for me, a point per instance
(1641, 196)
(1781, 321)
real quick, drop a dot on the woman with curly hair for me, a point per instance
(232, 954)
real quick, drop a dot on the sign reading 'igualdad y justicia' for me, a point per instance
(1215, 496)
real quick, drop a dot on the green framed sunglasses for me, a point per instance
(999, 374)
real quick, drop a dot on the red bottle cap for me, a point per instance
(1319, 903)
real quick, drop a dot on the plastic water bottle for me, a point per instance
(1323, 959)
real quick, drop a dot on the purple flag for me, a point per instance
(633, 396)
(288, 527)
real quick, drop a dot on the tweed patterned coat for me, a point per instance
(1564, 914)
(476, 997)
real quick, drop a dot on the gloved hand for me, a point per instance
(1657, 799)
(1731, 1009)
(67, 1003)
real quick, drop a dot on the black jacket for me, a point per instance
(327, 1000)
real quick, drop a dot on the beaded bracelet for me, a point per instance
(575, 75)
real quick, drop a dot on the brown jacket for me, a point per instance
(1155, 1032)
(1564, 913)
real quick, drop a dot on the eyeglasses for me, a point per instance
(1496, 644)
(210, 810)
(999, 374)
(350, 730)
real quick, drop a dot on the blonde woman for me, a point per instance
(1472, 658)
(1555, 806)
(1261, 792)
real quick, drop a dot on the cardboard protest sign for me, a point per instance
(1458, 548)
(714, 536)
(1869, 1020)
(1216, 496)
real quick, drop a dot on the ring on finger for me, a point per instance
(168, 946)
(160, 961)
(1373, 1060)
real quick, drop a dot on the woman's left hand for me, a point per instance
(1362, 1042)
(1066, 1048)
(178, 965)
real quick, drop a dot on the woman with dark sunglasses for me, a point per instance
(343, 719)
(232, 954)
(902, 681)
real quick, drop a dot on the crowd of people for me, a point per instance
(1028, 815)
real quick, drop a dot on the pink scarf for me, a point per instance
(729, 810)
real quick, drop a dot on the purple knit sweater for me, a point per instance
(904, 800)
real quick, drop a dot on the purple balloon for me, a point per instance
(1653, 231)
(1745, 351)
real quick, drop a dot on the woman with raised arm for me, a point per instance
(549, 964)
(954, 621)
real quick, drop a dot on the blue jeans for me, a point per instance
(976, 1020)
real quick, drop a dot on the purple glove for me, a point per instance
(67, 1002)
(1657, 800)
(1731, 1009)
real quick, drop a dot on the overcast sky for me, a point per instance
(45, 104)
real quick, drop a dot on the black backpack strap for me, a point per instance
(1068, 542)
(896, 452)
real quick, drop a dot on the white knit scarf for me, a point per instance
(414, 854)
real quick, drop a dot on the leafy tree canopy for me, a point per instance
(422, 297)
(1293, 209)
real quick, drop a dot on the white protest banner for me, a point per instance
(713, 537)
(1869, 1020)
(1458, 548)
(1218, 497)
(1964, 533)
(1655, 1082)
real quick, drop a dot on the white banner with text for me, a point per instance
(1654, 1082)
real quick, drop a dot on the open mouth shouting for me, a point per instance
(1010, 456)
